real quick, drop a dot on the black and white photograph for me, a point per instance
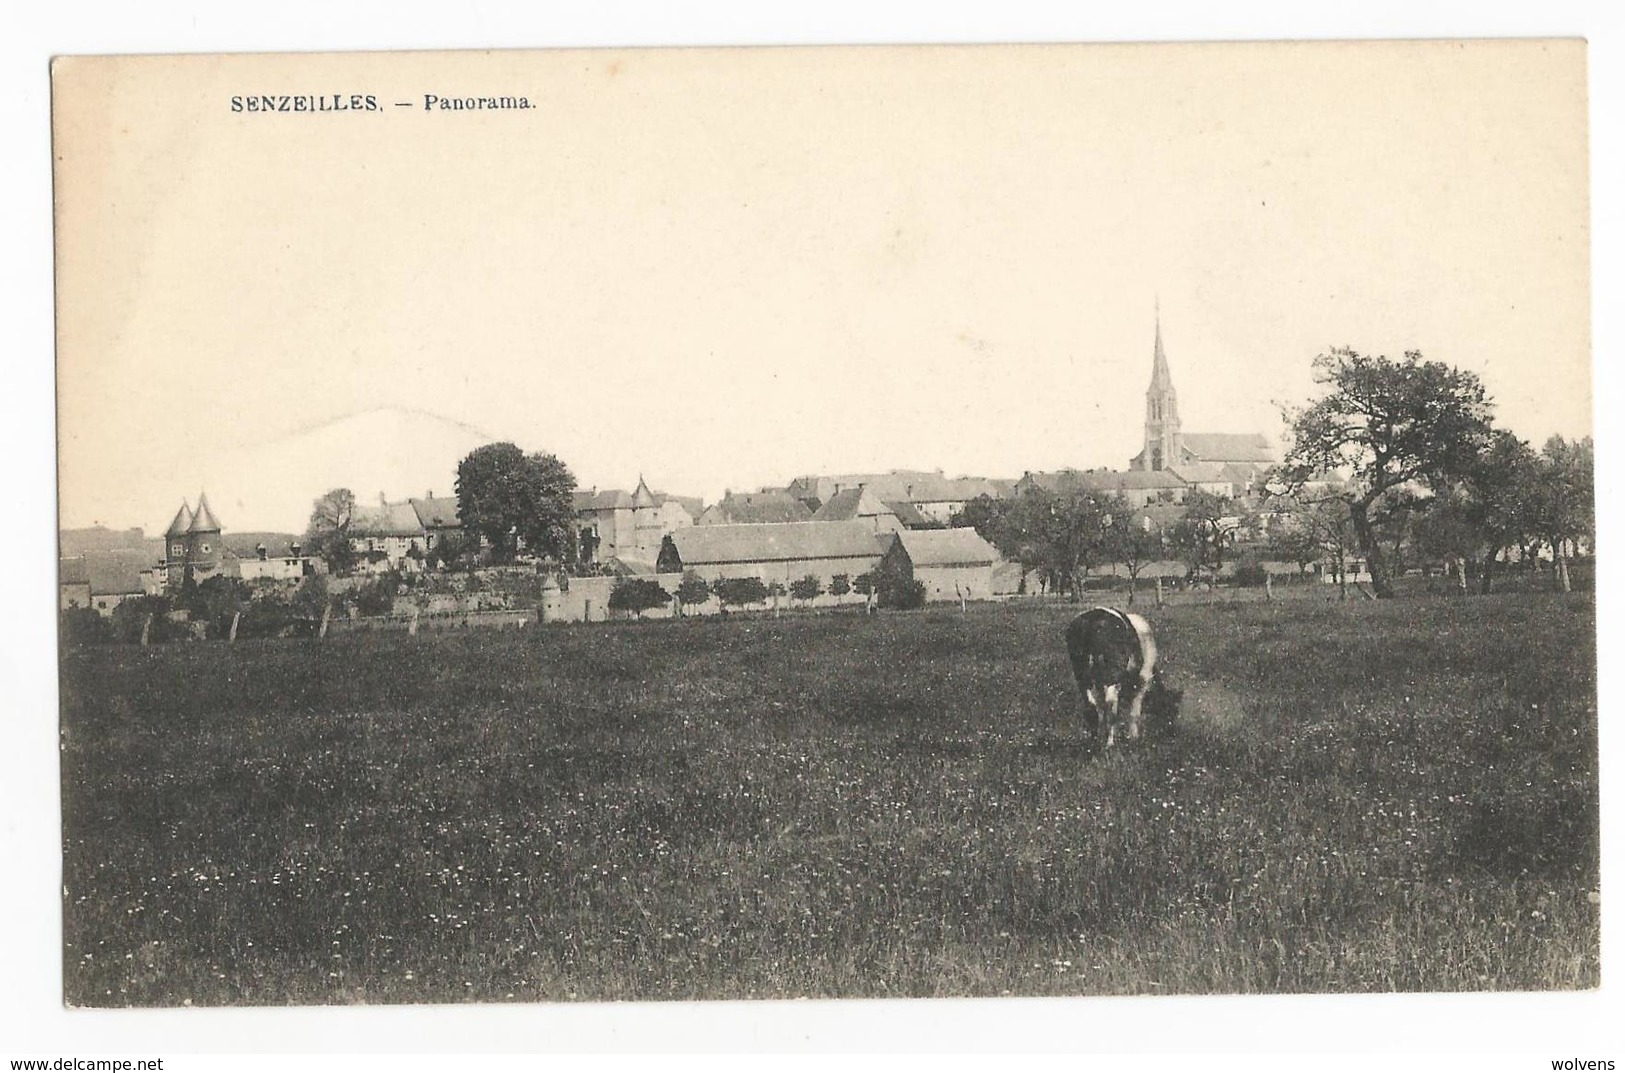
(549, 527)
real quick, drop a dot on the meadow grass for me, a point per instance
(1359, 797)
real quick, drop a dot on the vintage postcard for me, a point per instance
(826, 523)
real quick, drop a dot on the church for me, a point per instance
(1199, 459)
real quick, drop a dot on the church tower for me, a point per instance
(1162, 439)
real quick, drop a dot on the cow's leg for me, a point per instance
(1107, 706)
(1134, 703)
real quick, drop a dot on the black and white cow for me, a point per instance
(1114, 659)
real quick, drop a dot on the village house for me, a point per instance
(388, 536)
(439, 518)
(756, 508)
(614, 526)
(859, 504)
(1139, 487)
(952, 564)
(102, 580)
(935, 497)
(780, 552)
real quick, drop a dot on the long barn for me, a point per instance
(782, 552)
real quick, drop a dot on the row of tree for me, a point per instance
(637, 595)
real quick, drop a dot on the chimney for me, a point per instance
(262, 552)
(383, 500)
(294, 547)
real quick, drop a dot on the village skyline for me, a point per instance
(727, 269)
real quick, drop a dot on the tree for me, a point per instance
(1389, 425)
(450, 548)
(985, 515)
(505, 497)
(692, 590)
(637, 595)
(739, 590)
(1132, 545)
(807, 589)
(1204, 532)
(840, 584)
(898, 593)
(328, 534)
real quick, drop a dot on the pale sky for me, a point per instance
(720, 269)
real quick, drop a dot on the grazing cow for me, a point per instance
(1114, 659)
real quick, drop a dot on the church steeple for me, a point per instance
(1162, 438)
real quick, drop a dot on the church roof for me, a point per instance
(203, 521)
(1228, 447)
(182, 522)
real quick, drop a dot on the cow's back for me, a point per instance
(1104, 648)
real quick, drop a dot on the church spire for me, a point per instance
(1161, 379)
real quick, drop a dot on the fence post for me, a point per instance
(145, 626)
(412, 627)
(1269, 592)
(1159, 590)
(327, 613)
(236, 616)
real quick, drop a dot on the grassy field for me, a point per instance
(1393, 796)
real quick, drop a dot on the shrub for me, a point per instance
(1250, 571)
(900, 593)
(85, 626)
(840, 585)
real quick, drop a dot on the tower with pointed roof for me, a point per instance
(204, 553)
(1162, 435)
(647, 530)
(175, 542)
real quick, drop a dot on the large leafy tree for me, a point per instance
(1389, 425)
(1132, 544)
(506, 497)
(328, 534)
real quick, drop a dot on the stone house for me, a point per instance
(950, 563)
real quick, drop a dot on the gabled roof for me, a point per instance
(608, 499)
(693, 504)
(203, 520)
(386, 520)
(946, 547)
(439, 512)
(1229, 446)
(908, 514)
(642, 497)
(756, 508)
(852, 503)
(1199, 472)
(182, 522)
(109, 573)
(1072, 480)
(775, 542)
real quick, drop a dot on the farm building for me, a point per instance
(103, 580)
(1139, 487)
(859, 504)
(950, 563)
(439, 518)
(937, 498)
(782, 551)
(385, 536)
